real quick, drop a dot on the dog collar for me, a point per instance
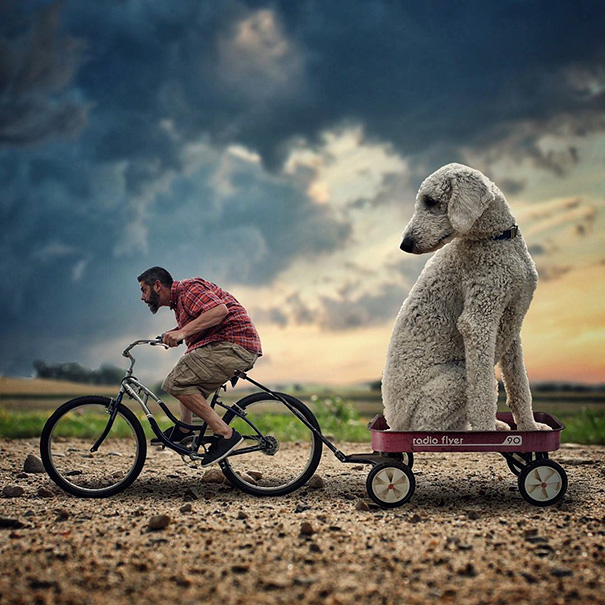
(508, 234)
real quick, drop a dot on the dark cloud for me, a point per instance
(341, 312)
(165, 88)
(408, 266)
(73, 251)
(421, 78)
(537, 249)
(437, 73)
(370, 309)
(511, 186)
(557, 162)
(551, 272)
(272, 315)
(37, 64)
(301, 313)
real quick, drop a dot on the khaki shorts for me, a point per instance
(206, 368)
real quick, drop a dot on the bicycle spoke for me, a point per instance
(285, 453)
(71, 441)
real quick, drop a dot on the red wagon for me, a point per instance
(542, 482)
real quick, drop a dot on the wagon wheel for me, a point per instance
(543, 482)
(408, 459)
(390, 484)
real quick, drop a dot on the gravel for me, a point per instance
(465, 536)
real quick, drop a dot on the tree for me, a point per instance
(75, 372)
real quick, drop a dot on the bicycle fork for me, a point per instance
(112, 410)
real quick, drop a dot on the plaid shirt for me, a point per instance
(190, 298)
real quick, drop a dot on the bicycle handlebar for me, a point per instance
(153, 342)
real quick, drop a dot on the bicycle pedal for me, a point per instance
(192, 461)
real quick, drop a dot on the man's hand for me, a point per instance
(173, 338)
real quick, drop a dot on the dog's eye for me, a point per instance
(429, 202)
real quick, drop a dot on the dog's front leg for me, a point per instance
(479, 334)
(516, 383)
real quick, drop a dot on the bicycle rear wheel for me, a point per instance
(287, 451)
(67, 439)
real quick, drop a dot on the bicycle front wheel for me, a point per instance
(70, 433)
(285, 454)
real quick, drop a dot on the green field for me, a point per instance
(342, 413)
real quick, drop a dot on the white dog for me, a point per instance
(464, 313)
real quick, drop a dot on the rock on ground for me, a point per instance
(12, 491)
(33, 464)
(466, 536)
(158, 522)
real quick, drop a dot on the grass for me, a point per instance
(338, 419)
(585, 426)
(20, 425)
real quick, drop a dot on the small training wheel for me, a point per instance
(390, 484)
(543, 482)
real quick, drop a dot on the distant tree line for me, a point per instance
(540, 387)
(74, 372)
(565, 387)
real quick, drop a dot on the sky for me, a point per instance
(276, 148)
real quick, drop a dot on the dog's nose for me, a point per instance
(407, 245)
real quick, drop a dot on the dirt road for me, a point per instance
(466, 536)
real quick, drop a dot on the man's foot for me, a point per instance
(221, 447)
(173, 434)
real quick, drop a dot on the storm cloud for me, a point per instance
(141, 133)
(37, 64)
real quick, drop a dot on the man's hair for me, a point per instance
(154, 274)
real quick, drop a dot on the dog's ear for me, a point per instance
(471, 194)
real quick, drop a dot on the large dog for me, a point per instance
(464, 313)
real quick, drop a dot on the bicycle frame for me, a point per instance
(139, 392)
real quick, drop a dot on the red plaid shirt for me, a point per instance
(192, 297)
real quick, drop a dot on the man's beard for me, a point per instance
(154, 302)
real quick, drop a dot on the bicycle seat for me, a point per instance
(232, 381)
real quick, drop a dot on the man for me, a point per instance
(220, 338)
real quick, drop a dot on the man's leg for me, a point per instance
(197, 404)
(185, 414)
(202, 371)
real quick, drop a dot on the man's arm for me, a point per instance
(205, 320)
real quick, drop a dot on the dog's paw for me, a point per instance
(502, 426)
(534, 426)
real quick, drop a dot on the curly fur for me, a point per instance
(464, 313)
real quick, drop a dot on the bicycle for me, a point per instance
(111, 449)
